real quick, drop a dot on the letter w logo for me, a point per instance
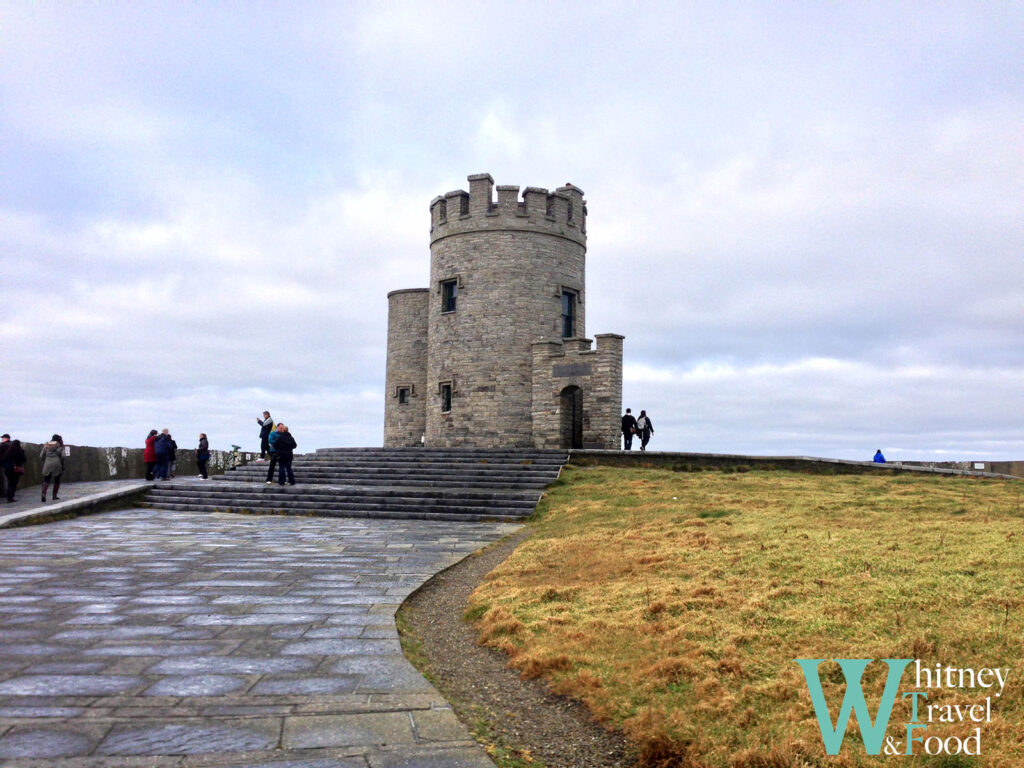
(853, 700)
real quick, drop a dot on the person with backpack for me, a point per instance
(645, 428)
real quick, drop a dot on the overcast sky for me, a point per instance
(807, 219)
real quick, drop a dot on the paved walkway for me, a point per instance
(135, 638)
(72, 498)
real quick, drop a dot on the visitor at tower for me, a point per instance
(172, 457)
(203, 455)
(272, 452)
(284, 446)
(645, 429)
(162, 446)
(266, 428)
(52, 456)
(879, 458)
(628, 429)
(14, 467)
(149, 455)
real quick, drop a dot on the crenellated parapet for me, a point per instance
(562, 213)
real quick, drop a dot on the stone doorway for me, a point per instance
(571, 432)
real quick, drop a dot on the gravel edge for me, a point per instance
(517, 718)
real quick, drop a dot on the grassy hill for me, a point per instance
(674, 604)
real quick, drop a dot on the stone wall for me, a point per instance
(90, 464)
(510, 261)
(598, 375)
(405, 423)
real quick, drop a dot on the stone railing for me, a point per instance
(89, 464)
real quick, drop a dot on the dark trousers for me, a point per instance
(202, 467)
(264, 446)
(149, 469)
(627, 440)
(270, 469)
(645, 438)
(163, 467)
(285, 466)
(12, 478)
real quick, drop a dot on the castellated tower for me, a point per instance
(493, 353)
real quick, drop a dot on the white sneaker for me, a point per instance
(269, 483)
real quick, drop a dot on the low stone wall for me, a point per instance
(696, 462)
(90, 464)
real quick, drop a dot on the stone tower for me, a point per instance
(493, 353)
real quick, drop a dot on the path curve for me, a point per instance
(137, 638)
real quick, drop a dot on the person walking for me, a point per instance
(149, 455)
(203, 455)
(266, 429)
(14, 468)
(52, 456)
(272, 452)
(162, 446)
(628, 429)
(645, 429)
(284, 446)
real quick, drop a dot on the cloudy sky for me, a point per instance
(806, 218)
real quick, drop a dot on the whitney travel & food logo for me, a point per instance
(923, 714)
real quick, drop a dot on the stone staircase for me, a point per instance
(403, 483)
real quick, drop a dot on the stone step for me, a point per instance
(434, 453)
(402, 483)
(361, 512)
(529, 497)
(266, 497)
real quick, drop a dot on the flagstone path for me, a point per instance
(152, 638)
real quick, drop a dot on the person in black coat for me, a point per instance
(628, 429)
(645, 428)
(14, 467)
(266, 427)
(284, 446)
(203, 455)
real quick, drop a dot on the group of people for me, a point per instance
(276, 441)
(13, 459)
(636, 427)
(161, 455)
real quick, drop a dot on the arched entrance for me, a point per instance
(571, 428)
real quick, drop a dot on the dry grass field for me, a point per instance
(674, 604)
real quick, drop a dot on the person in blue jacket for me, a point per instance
(272, 452)
(879, 458)
(164, 451)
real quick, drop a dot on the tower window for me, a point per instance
(568, 314)
(403, 395)
(449, 293)
(446, 397)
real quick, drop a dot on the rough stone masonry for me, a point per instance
(494, 352)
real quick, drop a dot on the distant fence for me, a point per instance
(89, 464)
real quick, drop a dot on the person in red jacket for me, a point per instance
(149, 455)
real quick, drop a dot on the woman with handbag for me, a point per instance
(14, 467)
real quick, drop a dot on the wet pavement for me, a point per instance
(145, 638)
